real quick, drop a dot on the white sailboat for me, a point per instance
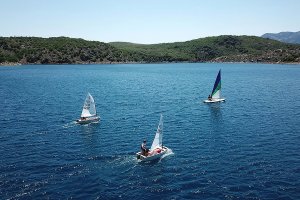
(89, 113)
(215, 95)
(157, 149)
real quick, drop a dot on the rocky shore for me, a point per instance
(218, 60)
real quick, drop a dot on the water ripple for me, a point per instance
(245, 148)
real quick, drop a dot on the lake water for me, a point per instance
(245, 148)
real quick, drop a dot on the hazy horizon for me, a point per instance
(147, 22)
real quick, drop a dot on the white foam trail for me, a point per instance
(168, 153)
(69, 125)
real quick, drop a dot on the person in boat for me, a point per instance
(83, 118)
(209, 97)
(144, 148)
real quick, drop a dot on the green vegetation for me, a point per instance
(57, 50)
(33, 50)
(217, 49)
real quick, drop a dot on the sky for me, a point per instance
(147, 21)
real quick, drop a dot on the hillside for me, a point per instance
(33, 50)
(218, 49)
(57, 50)
(288, 37)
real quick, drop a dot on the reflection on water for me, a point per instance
(90, 133)
(216, 113)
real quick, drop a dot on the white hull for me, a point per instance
(154, 156)
(88, 120)
(213, 100)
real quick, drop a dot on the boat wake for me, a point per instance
(89, 124)
(73, 124)
(168, 153)
(114, 158)
(69, 125)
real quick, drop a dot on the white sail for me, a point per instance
(217, 95)
(89, 108)
(157, 142)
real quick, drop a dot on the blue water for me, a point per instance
(245, 148)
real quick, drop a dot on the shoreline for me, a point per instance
(16, 64)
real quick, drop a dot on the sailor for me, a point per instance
(144, 148)
(209, 97)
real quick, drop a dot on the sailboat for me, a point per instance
(215, 95)
(89, 113)
(157, 149)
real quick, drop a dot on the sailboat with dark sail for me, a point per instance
(215, 95)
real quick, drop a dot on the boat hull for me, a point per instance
(213, 100)
(88, 120)
(152, 156)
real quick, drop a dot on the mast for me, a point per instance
(162, 129)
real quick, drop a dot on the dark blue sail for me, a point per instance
(217, 85)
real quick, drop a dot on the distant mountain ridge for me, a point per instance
(288, 37)
(225, 48)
